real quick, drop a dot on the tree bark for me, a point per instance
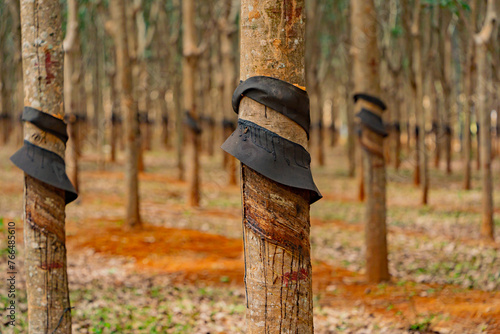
(191, 55)
(446, 83)
(367, 80)
(351, 132)
(468, 92)
(482, 39)
(397, 120)
(164, 58)
(71, 52)
(277, 274)
(5, 115)
(115, 110)
(349, 105)
(44, 218)
(317, 120)
(129, 109)
(419, 110)
(16, 94)
(227, 28)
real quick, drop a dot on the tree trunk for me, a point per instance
(446, 55)
(482, 39)
(229, 83)
(129, 110)
(115, 110)
(419, 110)
(349, 105)
(179, 126)
(367, 81)
(5, 115)
(333, 105)
(164, 58)
(97, 89)
(468, 93)
(71, 53)
(317, 121)
(191, 55)
(44, 218)
(397, 120)
(14, 107)
(351, 132)
(437, 126)
(277, 272)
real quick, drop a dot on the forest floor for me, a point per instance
(183, 272)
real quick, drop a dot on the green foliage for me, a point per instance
(453, 5)
(423, 325)
(397, 31)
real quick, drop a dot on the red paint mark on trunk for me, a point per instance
(50, 266)
(289, 277)
(48, 67)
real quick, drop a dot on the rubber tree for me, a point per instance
(276, 218)
(419, 97)
(44, 205)
(12, 70)
(191, 53)
(468, 78)
(4, 109)
(482, 39)
(366, 77)
(227, 28)
(71, 54)
(392, 55)
(129, 110)
(315, 75)
(445, 51)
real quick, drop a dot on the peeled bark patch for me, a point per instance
(278, 275)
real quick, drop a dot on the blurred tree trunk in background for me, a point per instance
(96, 36)
(315, 76)
(446, 83)
(367, 81)
(191, 55)
(132, 10)
(496, 83)
(228, 28)
(5, 114)
(16, 90)
(355, 82)
(351, 128)
(44, 205)
(164, 54)
(129, 109)
(352, 135)
(468, 82)
(116, 119)
(71, 76)
(145, 33)
(392, 55)
(482, 41)
(419, 99)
